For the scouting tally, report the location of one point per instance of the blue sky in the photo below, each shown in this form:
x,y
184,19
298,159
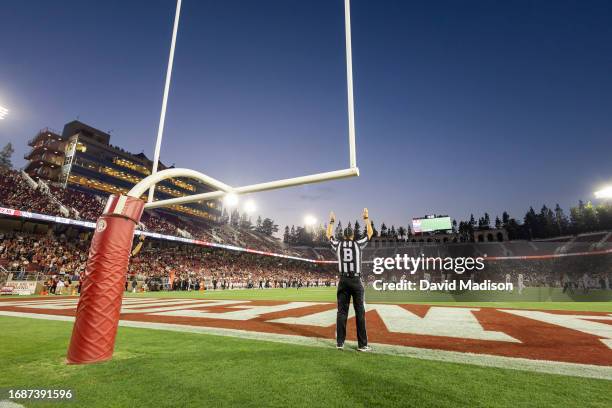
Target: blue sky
x,y
461,107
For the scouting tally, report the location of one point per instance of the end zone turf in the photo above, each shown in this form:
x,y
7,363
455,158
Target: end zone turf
x,y
565,342
164,369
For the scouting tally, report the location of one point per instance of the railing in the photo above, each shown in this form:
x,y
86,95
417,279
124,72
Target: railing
x,y
41,131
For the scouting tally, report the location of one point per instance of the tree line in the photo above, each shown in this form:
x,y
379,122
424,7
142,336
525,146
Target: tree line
x,y
265,226
547,223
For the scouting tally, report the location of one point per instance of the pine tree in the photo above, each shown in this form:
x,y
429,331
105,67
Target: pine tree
x,y
505,218
268,227
5,155
392,232
348,231
357,230
401,231
561,220
286,236
339,233
383,230
235,221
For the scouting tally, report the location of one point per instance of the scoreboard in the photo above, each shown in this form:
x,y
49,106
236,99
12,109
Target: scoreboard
x,y
430,224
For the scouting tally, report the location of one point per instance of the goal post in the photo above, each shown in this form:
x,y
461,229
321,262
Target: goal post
x,y
99,307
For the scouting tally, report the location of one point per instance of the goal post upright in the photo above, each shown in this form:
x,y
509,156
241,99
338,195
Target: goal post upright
x,y
99,307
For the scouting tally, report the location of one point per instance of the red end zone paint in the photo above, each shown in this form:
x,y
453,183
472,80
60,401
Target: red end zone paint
x,y
573,337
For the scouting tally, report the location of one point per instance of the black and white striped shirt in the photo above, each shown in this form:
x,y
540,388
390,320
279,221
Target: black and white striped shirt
x,y
348,253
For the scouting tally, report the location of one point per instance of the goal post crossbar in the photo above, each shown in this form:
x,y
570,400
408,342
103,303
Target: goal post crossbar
x,y
223,189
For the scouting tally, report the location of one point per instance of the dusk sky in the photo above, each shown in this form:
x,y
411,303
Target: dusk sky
x,y
461,106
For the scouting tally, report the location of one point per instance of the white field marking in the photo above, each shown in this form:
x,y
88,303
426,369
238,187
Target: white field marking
x,y
326,318
40,302
75,300
209,303
246,312
457,322
574,322
168,302
42,305
485,360
63,304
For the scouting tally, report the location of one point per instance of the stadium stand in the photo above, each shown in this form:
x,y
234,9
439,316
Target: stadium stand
x,y
161,265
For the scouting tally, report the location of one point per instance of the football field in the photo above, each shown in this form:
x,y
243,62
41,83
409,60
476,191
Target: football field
x,y
275,347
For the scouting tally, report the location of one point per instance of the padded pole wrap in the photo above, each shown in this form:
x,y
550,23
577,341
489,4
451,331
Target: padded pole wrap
x,y
97,316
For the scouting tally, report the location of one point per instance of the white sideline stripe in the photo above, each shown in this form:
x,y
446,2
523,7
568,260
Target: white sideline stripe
x,y
484,360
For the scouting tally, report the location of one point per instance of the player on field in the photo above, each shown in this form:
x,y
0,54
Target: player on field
x,y
521,284
348,253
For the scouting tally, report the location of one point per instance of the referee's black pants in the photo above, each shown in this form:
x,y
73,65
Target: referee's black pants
x,y
347,288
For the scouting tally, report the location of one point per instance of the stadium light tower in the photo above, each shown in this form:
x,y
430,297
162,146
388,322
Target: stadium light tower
x,y
250,207
3,112
230,200
310,220
605,193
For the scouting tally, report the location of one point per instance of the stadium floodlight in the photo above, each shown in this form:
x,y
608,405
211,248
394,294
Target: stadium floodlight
x,y
605,193
249,207
3,112
310,220
230,200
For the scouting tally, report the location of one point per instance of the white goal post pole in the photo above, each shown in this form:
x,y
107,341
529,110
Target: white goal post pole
x,y
162,116
253,188
140,188
349,84
222,189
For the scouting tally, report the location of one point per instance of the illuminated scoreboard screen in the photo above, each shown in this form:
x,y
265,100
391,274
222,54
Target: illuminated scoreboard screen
x,y
431,224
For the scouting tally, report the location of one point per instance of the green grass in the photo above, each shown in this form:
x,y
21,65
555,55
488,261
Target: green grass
x,y
169,369
326,294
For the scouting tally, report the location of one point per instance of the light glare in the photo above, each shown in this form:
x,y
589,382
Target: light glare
x,y
310,220
250,207
604,193
230,200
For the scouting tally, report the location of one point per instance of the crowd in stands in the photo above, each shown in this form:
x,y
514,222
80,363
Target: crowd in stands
x,y
192,268
186,267
82,206
16,193
47,254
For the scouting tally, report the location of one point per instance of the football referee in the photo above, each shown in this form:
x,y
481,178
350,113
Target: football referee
x,y
348,252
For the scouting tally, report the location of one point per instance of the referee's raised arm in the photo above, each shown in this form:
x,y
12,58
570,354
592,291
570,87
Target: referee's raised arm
x,y
330,227
368,223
